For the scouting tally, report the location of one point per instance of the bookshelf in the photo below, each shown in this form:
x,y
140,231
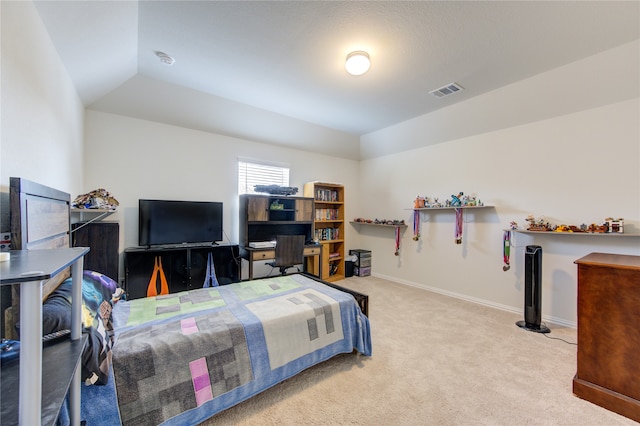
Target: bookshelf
x,y
328,226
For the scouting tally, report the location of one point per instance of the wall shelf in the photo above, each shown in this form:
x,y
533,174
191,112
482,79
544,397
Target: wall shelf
x,y
576,234
88,216
384,225
399,228
422,209
459,211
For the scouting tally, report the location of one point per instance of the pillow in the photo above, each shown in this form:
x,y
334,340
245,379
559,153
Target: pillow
x,y
97,277
96,302
96,321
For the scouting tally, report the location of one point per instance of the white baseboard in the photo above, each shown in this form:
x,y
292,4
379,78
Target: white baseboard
x,y
515,310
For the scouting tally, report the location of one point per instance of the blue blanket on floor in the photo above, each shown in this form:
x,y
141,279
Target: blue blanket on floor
x,y
181,358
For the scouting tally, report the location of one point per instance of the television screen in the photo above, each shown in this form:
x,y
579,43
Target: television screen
x,y
164,222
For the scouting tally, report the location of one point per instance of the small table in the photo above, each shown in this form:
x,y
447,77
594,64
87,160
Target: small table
x,y
312,254
30,268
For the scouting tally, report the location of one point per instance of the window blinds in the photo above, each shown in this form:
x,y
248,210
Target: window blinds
x,y
251,174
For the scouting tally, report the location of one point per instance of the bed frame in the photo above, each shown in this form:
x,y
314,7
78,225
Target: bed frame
x,y
40,218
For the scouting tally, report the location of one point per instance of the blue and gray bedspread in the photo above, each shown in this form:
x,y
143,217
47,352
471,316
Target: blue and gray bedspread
x,y
180,358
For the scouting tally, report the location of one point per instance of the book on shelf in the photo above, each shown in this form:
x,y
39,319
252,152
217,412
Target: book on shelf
x,y
327,214
326,234
326,195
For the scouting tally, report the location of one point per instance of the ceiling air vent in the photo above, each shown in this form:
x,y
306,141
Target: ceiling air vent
x,y
447,90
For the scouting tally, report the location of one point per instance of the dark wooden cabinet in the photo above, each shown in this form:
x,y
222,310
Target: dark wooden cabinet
x,y
262,217
608,357
104,240
185,268
257,208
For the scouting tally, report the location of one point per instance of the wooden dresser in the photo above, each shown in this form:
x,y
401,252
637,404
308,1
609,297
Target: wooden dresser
x,y
608,334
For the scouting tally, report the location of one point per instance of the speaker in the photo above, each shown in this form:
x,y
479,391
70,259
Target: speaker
x,y
533,291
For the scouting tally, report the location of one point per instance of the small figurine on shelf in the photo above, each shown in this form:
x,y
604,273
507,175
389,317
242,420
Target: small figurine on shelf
x,y
597,229
513,225
614,225
455,200
567,228
538,225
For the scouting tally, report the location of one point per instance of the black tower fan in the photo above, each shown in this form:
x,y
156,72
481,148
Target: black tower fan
x,y
533,290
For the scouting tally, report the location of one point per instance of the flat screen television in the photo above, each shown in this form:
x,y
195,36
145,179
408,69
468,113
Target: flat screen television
x,y
166,222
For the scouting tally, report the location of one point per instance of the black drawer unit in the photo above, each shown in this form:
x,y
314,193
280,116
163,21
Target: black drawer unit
x,y
362,265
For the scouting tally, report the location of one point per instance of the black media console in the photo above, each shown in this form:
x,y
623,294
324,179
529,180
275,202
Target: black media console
x,y
184,266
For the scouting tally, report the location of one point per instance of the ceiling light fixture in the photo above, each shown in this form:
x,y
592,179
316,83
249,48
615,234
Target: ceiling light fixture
x,y
164,58
357,63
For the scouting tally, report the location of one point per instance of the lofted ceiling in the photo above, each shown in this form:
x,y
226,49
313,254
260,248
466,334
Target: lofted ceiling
x,y
273,71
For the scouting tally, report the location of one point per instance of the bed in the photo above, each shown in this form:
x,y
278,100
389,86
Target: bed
x,y
181,358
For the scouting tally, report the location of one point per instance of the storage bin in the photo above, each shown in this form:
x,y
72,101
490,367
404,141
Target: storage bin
x,y
360,271
364,261
362,264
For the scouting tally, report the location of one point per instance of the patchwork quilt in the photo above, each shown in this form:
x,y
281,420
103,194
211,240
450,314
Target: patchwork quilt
x,y
180,358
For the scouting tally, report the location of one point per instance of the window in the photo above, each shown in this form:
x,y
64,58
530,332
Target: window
x,y
251,174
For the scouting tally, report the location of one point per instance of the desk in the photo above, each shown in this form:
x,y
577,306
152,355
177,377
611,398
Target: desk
x,y
36,399
312,256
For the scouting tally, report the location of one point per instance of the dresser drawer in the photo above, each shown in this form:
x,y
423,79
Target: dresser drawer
x,y
263,254
311,251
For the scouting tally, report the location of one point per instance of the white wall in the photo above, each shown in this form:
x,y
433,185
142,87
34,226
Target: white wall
x,y
42,116
135,159
581,167
579,161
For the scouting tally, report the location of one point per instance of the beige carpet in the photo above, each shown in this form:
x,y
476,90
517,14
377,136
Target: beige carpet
x,y
436,361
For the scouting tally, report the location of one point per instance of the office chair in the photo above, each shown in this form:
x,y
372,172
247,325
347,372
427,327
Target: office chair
x,y
289,252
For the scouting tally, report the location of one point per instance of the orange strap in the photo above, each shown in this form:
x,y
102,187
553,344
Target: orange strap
x,y
152,289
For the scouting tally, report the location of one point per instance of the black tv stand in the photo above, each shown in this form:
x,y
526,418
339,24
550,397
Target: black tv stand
x,y
184,266
178,246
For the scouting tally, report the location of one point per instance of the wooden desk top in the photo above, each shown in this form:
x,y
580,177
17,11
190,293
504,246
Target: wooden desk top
x,y
622,261
273,248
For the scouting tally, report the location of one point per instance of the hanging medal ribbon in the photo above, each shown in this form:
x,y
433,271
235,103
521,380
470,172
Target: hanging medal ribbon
x,y
210,278
506,250
459,221
397,241
416,225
